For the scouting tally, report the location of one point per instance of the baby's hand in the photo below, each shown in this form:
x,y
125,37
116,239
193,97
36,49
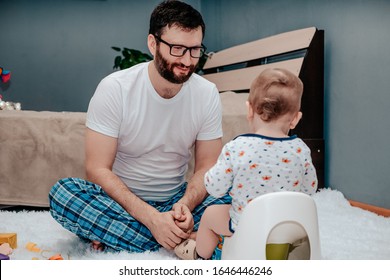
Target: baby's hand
x,y
183,217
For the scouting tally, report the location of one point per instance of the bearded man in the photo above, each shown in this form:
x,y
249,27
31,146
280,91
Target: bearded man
x,y
142,124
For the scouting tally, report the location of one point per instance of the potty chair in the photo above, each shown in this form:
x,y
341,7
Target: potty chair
x,y
275,226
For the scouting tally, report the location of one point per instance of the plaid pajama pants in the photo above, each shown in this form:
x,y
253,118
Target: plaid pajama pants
x,y
86,210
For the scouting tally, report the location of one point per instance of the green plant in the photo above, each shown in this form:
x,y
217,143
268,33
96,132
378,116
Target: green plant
x,y
129,57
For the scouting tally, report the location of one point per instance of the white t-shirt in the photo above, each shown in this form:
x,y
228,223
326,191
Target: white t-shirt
x,y
252,165
155,135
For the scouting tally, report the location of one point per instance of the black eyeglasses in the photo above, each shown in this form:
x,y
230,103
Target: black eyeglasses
x,y
180,50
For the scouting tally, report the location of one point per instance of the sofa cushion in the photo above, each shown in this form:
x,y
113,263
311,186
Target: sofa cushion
x,y
37,149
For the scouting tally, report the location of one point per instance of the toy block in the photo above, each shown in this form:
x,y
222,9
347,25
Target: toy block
x,y
9,238
3,257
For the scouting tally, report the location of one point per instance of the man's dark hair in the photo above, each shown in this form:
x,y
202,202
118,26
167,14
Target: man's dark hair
x,y
175,13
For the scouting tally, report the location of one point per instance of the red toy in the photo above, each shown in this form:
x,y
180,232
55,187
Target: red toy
x,y
5,75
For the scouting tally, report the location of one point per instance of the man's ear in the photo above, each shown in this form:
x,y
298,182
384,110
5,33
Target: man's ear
x,y
152,44
295,120
249,114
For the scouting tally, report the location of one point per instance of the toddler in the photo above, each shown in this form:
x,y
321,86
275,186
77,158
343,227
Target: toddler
x,y
263,161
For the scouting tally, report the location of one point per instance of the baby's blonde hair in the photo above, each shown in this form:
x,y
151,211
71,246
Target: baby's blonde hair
x,y
275,93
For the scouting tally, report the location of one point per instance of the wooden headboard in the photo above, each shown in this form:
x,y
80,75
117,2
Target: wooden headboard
x,y
300,51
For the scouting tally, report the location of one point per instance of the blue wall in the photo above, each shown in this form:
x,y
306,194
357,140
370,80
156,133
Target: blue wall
x,y
59,50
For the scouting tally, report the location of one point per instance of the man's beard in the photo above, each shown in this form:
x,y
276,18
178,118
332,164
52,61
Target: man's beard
x,y
166,70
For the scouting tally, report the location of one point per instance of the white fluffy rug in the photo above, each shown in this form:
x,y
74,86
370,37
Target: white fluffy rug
x,y
346,233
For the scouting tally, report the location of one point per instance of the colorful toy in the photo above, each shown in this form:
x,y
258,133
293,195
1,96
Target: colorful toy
x,y
10,238
5,251
5,75
56,257
3,257
32,247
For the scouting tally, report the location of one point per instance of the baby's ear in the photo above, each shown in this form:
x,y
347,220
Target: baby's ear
x,y
297,117
250,113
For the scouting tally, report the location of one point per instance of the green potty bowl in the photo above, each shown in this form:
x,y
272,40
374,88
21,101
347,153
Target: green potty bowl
x,y
277,251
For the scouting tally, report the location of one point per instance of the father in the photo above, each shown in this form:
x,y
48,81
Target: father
x,y
142,123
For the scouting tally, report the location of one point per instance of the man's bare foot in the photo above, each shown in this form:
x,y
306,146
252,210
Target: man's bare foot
x,y
97,245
